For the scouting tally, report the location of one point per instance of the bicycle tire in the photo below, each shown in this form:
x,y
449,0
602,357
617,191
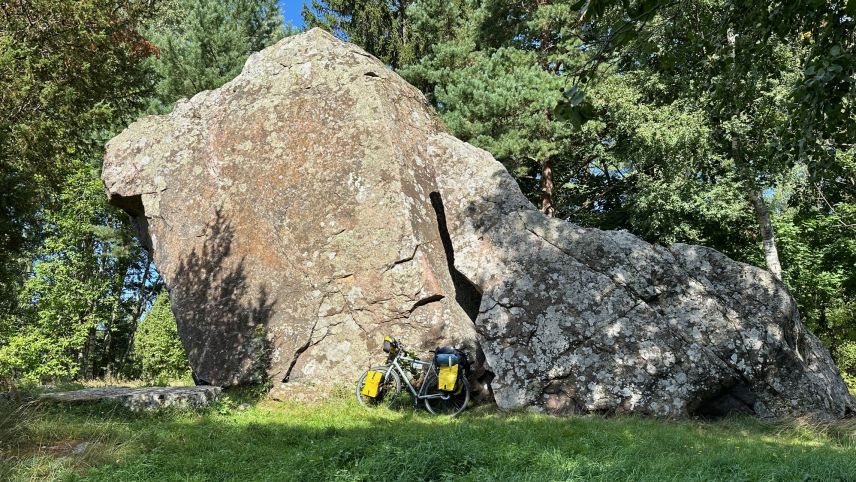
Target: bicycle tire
x,y
389,391
451,406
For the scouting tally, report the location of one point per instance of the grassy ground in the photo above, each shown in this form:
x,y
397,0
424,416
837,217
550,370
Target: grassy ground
x,y
339,440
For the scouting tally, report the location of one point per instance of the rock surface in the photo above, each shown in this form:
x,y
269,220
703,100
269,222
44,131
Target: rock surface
x,y
583,320
315,204
287,213
137,399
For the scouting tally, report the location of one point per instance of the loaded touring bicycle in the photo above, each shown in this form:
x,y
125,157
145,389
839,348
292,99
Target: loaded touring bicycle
x,y
441,383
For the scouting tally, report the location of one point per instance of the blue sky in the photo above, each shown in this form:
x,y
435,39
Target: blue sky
x,y
291,11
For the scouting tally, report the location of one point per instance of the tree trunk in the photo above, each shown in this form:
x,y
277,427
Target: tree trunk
x,y
86,356
547,188
762,213
90,354
401,15
547,206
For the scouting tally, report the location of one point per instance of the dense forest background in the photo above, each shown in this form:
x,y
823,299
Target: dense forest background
x,y
726,123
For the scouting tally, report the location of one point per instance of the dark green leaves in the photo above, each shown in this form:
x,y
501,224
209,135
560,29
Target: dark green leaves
x,y
574,108
207,42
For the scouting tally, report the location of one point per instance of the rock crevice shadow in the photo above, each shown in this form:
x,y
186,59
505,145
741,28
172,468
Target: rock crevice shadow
x,y
467,294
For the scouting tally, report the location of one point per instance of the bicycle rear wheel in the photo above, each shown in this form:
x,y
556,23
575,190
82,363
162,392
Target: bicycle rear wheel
x,y
451,403
389,389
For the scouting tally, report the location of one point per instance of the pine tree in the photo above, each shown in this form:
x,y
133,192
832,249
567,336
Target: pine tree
x,y
157,348
382,27
497,81
204,43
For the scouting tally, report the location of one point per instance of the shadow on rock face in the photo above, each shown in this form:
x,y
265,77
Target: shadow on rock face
x,y
224,321
583,320
469,298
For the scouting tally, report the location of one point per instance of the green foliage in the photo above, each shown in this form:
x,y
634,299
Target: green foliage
x,y
497,74
823,121
204,43
631,155
67,69
69,73
846,354
157,348
499,101
382,27
819,255
338,440
77,283
655,171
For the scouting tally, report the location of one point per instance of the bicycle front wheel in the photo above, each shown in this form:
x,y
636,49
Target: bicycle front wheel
x,y
389,389
449,403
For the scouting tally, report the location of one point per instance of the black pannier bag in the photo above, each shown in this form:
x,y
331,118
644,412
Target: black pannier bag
x,y
463,359
448,360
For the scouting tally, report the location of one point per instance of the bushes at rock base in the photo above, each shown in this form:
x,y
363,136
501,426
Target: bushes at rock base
x,y
157,348
845,355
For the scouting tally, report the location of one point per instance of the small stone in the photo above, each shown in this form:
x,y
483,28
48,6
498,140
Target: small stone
x,y
80,448
144,398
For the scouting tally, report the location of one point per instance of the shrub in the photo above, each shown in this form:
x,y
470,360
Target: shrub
x,y
157,348
846,355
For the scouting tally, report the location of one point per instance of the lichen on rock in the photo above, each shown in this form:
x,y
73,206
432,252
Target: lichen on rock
x,y
315,203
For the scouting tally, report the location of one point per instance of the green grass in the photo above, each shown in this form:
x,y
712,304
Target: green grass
x,y
339,440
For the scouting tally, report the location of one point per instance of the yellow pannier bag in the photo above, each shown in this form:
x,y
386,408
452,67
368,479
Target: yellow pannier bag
x,y
371,385
447,378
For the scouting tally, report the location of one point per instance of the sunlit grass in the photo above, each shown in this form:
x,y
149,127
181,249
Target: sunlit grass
x,y
339,440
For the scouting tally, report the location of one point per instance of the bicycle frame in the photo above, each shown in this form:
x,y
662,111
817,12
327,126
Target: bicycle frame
x,y
421,395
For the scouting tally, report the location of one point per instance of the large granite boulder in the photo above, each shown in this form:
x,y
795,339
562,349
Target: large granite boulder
x,y
315,204
584,320
287,212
